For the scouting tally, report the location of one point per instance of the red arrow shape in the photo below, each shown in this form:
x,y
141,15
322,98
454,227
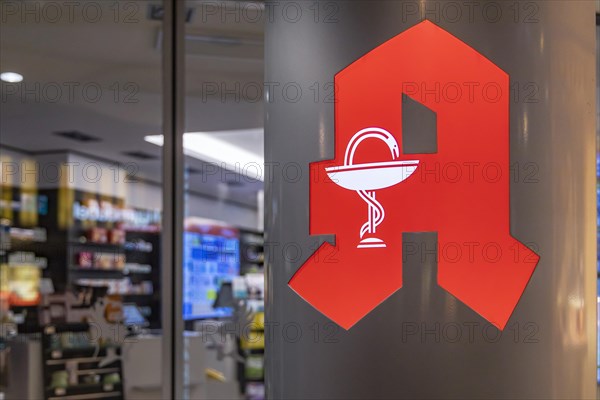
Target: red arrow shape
x,y
462,191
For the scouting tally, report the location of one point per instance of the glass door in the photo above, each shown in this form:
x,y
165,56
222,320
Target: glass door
x,y
223,245
81,203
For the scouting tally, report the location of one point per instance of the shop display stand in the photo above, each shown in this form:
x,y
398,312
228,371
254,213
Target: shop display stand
x,y
77,271
137,265
252,375
143,248
252,253
141,265
251,370
79,368
58,229
23,244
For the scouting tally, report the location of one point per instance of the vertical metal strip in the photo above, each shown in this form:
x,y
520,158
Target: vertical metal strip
x,y
173,194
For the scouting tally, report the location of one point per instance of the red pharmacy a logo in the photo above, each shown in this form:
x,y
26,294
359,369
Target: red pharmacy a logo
x,y
371,192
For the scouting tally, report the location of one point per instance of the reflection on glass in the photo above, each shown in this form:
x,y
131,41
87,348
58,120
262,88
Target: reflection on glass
x,y
80,200
223,240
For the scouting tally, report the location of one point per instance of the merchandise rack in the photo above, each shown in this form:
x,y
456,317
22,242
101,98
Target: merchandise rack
x,y
148,303
252,261
82,361
252,257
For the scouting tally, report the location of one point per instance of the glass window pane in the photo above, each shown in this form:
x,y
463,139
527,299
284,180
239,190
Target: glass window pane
x,y
223,281
81,199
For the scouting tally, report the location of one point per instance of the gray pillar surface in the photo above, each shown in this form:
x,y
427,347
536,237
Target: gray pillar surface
x,y
548,348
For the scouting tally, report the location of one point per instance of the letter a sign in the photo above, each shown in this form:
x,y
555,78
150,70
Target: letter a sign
x,y
373,191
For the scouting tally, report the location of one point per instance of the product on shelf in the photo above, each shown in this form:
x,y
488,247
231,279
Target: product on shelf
x,y
75,367
119,260
97,235
255,391
258,321
92,379
119,286
114,308
60,380
34,234
20,284
70,340
139,245
85,259
4,236
254,368
112,378
108,260
137,268
146,287
116,236
26,258
253,340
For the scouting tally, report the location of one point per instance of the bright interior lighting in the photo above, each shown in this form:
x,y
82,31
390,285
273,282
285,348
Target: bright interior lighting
x,y
207,146
11,77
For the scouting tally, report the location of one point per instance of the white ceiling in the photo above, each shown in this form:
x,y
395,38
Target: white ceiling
x,y
124,60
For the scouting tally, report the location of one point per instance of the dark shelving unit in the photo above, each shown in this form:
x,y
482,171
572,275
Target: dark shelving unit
x,y
252,258
252,252
149,303
83,377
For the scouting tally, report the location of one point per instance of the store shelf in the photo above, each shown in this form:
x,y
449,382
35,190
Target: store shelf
x,y
104,396
36,264
86,391
254,351
81,354
137,268
66,327
76,366
98,371
134,250
20,258
89,273
138,272
148,256
86,269
30,235
122,271
61,361
258,380
104,246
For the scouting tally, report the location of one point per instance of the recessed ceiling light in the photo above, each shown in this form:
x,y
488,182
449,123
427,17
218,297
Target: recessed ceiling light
x,y
11,77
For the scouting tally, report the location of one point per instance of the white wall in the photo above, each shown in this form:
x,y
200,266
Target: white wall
x,y
232,214
82,173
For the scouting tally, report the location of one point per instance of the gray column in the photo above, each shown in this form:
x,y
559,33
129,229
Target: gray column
x,y
422,342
